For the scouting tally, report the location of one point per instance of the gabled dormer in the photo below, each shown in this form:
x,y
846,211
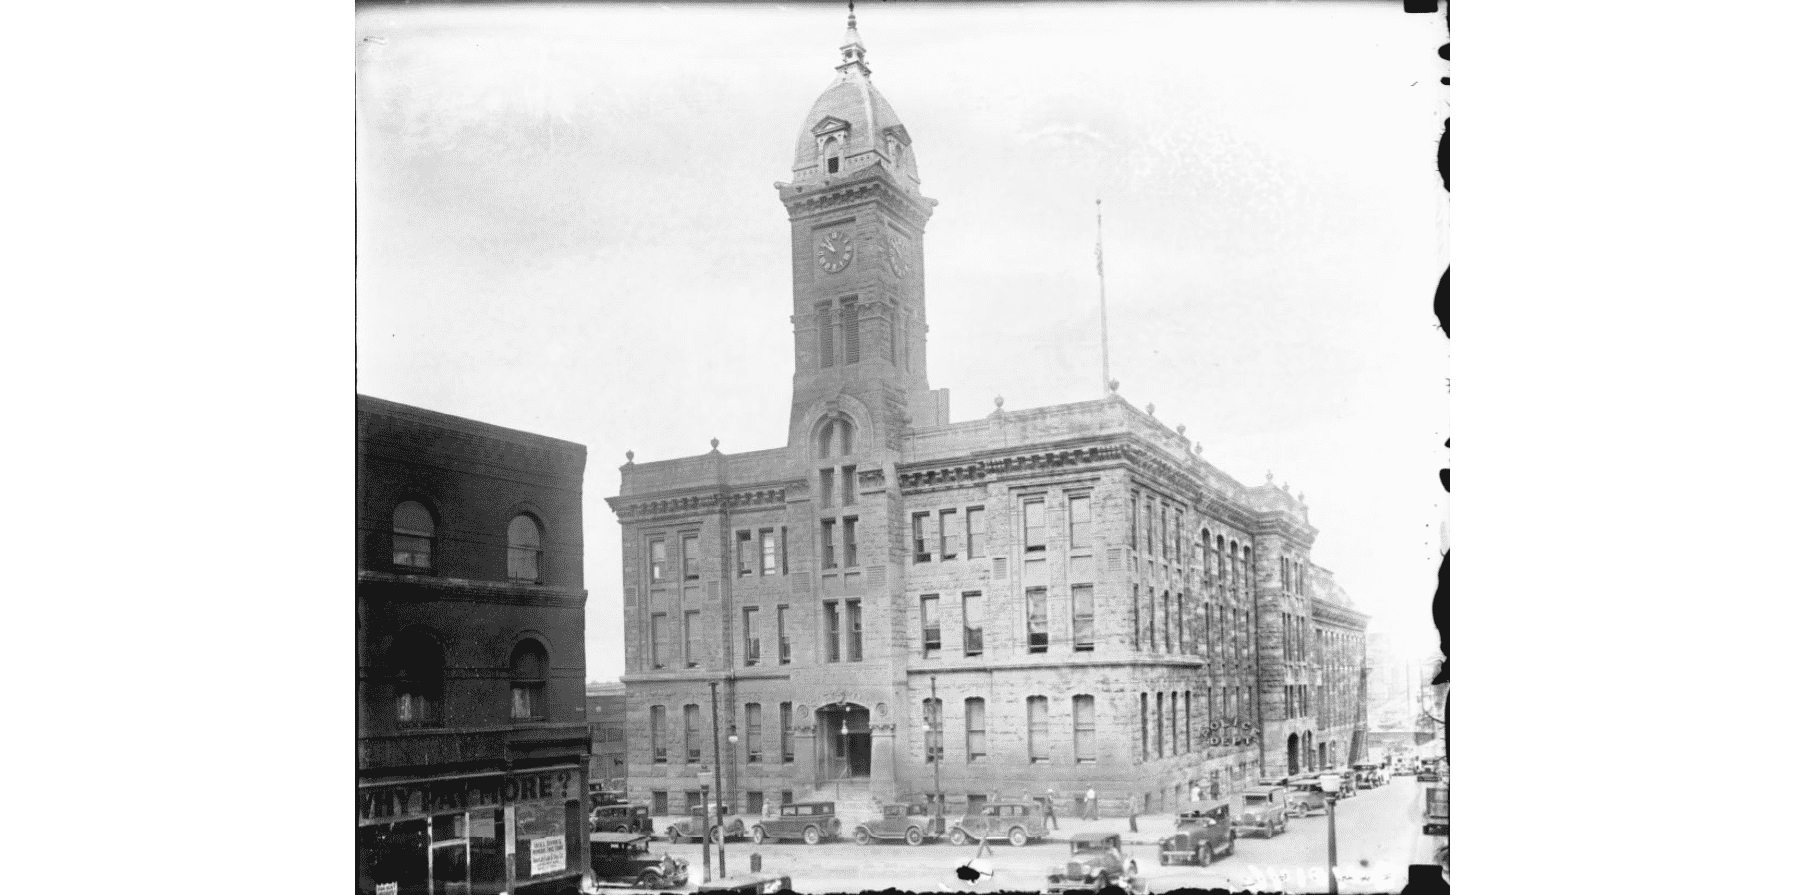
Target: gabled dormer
x,y
831,137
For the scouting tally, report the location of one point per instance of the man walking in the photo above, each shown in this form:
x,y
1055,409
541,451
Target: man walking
x,y
1052,817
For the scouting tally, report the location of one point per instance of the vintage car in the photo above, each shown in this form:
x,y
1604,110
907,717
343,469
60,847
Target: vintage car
x,y
1304,797
1274,781
1096,863
808,821
600,794
1370,774
747,884
1205,832
690,828
620,818
1017,821
912,823
626,858
1261,809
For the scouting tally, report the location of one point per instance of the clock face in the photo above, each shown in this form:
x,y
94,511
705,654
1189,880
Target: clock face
x,y
895,250
834,251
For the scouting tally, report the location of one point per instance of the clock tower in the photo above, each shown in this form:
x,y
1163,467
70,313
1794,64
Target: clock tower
x,y
856,217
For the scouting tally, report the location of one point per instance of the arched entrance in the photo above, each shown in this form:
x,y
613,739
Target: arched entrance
x,y
844,750
1291,752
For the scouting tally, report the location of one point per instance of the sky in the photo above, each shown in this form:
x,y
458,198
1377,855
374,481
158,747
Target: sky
x,y
566,223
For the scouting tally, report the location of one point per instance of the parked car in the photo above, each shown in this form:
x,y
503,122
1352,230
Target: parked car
x,y
1017,821
1205,832
620,819
747,884
1096,863
1405,766
691,827
808,821
912,823
1304,797
626,858
1348,788
1261,809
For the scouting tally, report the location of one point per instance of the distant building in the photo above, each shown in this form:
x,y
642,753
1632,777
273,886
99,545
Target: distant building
x,y
607,736
1054,598
472,749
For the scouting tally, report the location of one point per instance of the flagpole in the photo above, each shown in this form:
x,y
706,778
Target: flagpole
x,y
1102,297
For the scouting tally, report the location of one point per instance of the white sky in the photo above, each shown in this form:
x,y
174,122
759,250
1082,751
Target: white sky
x,y
566,224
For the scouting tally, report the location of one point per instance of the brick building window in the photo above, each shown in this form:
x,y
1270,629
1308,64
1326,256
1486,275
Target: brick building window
x,y
1083,728
826,487
1159,725
975,744
659,631
930,625
1033,525
742,552
1038,745
830,629
412,535
848,485
659,567
1136,641
767,552
692,733
523,548
782,635
785,735
659,753
973,606
754,733
851,540
528,672
823,321
848,320
692,558
854,631
692,799
923,547
749,624
1181,613
1146,750
1083,617
934,739
974,532
417,663
950,536
754,803
692,639
1036,620
827,526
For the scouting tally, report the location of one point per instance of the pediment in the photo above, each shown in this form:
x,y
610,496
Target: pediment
x,y
900,133
828,125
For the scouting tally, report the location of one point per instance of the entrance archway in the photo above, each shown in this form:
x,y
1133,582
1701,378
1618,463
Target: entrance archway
x,y
1291,752
845,741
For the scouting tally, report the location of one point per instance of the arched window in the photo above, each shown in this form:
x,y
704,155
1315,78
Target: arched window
x,y
523,548
527,668
413,530
830,151
834,438
417,664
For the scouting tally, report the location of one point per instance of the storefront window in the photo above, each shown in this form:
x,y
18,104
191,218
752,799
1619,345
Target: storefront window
x,y
539,841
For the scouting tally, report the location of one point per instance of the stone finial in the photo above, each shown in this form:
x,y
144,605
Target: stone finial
x,y
629,458
1114,386
998,402
1286,487
1299,497
1149,408
1268,477
1180,428
714,443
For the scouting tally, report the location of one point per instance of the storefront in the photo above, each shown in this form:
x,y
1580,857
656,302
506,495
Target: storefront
x,y
523,833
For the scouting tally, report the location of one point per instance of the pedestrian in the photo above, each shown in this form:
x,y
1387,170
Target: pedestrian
x,y
1133,814
1196,792
1090,803
1215,786
1052,817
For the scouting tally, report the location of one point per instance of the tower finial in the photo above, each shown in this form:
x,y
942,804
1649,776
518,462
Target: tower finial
x,y
851,51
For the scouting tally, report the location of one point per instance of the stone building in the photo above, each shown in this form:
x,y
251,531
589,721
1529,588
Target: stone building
x,y
608,722
1055,598
472,751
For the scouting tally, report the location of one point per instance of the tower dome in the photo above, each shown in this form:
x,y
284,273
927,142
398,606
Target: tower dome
x,y
851,125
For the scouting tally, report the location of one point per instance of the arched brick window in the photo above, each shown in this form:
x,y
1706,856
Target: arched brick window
x,y
417,664
523,548
528,671
413,535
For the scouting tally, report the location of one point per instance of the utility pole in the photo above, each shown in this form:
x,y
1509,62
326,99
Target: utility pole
x,y
719,793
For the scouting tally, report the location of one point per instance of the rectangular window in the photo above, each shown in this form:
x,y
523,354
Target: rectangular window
x,y
692,733
975,743
785,719
1165,601
826,487
659,622
1187,723
973,605
754,733
827,545
692,639
1036,620
848,320
1177,535
1080,522
743,543
1083,617
782,635
1146,531
754,803
659,755
692,557
1033,525
1159,724
848,485
1145,739
974,531
930,625
660,803
753,652
854,631
922,547
1181,623
657,560
830,624
692,799
1083,728
1133,519
1136,616
767,552
851,541
783,549
823,321
1039,748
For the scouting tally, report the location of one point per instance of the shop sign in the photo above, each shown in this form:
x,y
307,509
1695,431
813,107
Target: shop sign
x,y
404,801
388,889
547,855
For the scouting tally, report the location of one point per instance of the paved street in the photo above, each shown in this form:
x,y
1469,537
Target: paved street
x,y
1378,833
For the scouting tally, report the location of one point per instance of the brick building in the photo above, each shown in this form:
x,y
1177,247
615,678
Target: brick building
x,y
1055,598
472,751
608,722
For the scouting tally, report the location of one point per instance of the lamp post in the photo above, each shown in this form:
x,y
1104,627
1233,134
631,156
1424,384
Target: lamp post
x,y
845,758
1331,789
717,816
702,777
935,749
732,749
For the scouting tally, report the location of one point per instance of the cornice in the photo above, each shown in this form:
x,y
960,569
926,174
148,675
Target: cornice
x,y
920,478
651,508
870,183
429,588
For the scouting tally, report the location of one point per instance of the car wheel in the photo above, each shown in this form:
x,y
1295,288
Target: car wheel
x,y
716,834
861,836
1017,837
1205,856
1229,848
758,834
1271,831
957,836
650,880
812,836
913,836
1164,859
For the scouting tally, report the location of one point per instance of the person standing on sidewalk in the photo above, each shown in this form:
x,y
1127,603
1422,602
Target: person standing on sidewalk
x,y
1133,814
1052,817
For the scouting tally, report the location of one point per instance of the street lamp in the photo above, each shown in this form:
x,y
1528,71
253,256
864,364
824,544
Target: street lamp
x,y
1331,789
845,758
717,817
702,776
934,751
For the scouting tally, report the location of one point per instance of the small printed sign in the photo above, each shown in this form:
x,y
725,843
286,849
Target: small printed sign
x,y
388,889
547,855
